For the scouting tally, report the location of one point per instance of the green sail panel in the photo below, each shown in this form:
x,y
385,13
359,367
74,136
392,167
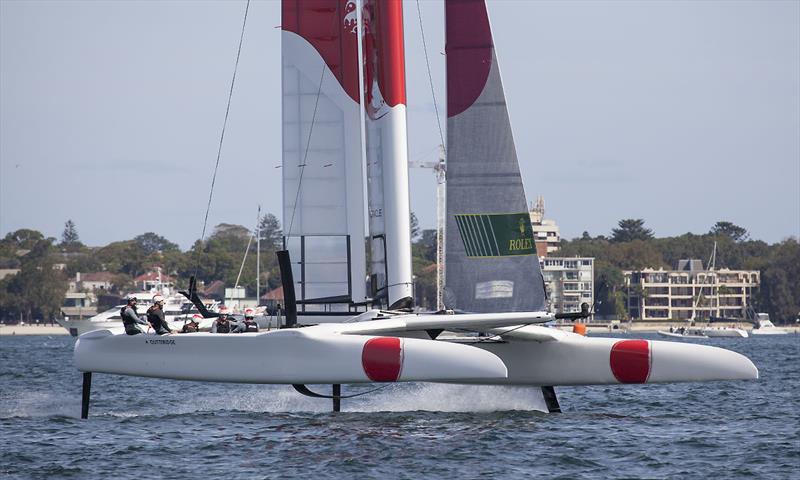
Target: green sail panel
x,y
496,234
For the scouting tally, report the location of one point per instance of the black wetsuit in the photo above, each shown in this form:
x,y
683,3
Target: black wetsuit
x,y
249,325
155,316
222,327
131,320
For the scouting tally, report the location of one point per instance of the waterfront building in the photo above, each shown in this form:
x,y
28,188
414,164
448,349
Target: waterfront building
x,y
79,305
569,282
153,280
91,281
690,292
545,232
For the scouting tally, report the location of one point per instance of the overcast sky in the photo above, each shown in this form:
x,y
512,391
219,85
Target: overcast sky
x,y
681,113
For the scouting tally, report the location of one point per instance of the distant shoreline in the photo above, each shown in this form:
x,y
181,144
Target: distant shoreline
x,y
9,330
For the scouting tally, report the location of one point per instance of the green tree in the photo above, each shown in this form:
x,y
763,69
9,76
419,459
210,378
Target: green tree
x,y
270,232
728,229
415,231
23,238
123,257
779,293
70,241
151,243
37,291
631,229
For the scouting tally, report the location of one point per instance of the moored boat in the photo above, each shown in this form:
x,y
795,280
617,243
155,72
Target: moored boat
x,y
764,326
730,332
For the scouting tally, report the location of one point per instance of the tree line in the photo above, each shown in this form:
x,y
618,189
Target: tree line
x,y
37,291
46,265
632,246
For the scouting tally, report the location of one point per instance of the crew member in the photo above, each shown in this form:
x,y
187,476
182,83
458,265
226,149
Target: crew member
x,y
155,316
192,325
249,323
223,323
131,319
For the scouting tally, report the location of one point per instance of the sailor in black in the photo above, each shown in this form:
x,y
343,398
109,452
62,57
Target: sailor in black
x,y
249,323
155,316
223,323
131,319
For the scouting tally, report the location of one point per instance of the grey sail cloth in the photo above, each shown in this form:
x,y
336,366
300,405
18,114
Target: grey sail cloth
x,y
483,177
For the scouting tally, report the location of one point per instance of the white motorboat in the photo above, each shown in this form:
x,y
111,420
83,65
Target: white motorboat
x,y
764,326
731,332
683,332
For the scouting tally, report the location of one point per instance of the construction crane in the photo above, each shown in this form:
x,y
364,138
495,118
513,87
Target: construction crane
x,y
439,168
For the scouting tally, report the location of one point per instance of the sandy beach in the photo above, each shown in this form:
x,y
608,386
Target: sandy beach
x,y
32,330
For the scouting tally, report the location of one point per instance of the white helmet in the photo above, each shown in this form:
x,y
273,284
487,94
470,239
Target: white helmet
x,y
248,313
158,298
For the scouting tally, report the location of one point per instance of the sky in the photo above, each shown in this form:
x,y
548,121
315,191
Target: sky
x,y
680,113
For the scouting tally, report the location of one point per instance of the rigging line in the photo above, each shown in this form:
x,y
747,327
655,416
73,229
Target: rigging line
x,y
430,79
244,258
247,249
490,338
222,134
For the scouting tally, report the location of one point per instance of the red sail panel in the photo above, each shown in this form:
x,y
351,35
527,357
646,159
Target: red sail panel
x,y
469,49
384,64
330,26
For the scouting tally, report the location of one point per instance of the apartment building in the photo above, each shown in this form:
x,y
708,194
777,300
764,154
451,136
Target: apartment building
x,y
569,282
690,292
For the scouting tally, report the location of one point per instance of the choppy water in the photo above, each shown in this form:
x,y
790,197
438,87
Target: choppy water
x,y
145,428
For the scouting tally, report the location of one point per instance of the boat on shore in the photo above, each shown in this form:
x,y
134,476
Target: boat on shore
x,y
764,326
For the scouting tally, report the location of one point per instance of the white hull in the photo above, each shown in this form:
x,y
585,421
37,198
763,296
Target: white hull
x,y
765,327
725,332
680,335
334,354
287,356
768,331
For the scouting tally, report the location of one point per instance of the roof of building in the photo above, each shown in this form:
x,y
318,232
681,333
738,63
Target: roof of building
x,y
215,288
692,265
274,294
5,272
97,277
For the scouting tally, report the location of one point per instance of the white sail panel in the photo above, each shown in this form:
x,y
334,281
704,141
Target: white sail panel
x,y
323,201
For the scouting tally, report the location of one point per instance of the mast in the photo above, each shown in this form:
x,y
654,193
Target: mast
x,y
384,92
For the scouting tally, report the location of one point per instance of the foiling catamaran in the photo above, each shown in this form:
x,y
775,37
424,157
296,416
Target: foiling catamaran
x,y
345,179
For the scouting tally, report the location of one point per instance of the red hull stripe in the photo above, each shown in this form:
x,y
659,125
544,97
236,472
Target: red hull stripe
x,y
630,361
382,359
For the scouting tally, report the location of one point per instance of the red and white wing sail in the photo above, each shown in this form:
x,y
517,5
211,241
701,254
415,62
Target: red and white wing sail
x,y
323,199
